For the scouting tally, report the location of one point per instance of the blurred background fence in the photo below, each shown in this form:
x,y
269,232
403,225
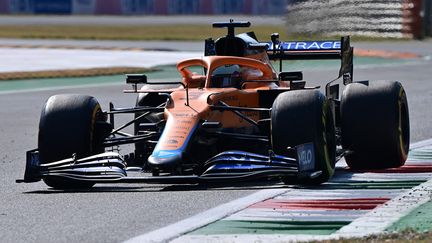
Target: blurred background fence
x,y
139,7
372,18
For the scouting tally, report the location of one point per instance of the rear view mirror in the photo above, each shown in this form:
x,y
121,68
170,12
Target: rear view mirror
x,y
136,79
209,47
290,76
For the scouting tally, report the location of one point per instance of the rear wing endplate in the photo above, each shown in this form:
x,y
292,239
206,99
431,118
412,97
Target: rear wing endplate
x,y
313,50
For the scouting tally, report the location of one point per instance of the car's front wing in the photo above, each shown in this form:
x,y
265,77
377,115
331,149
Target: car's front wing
x,y
229,166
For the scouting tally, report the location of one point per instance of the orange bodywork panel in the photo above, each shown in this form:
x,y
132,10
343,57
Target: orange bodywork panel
x,y
184,117
213,62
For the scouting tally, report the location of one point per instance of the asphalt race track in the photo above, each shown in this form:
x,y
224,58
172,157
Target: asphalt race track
x,y
107,213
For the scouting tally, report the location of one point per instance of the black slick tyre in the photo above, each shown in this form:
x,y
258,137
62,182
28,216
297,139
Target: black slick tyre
x,y
67,127
304,116
375,124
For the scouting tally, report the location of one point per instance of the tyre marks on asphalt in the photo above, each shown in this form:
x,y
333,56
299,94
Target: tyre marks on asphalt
x,y
353,203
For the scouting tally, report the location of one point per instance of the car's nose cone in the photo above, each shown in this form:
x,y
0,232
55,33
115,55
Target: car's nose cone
x,y
165,159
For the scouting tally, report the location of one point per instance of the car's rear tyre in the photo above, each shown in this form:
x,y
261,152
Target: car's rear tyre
x,y
67,127
304,116
375,124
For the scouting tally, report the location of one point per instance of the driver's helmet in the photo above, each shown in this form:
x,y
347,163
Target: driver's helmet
x,y
226,76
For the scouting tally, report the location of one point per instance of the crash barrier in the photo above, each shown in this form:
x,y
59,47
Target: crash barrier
x,y
372,18
147,7
427,23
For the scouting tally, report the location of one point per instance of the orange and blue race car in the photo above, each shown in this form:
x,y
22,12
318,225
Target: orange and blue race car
x,y
231,118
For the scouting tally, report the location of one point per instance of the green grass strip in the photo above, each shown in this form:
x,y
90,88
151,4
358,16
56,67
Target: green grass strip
x,y
69,73
421,154
130,32
30,84
270,227
190,32
164,72
420,220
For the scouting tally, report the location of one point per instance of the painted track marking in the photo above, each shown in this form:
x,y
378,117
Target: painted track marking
x,y
382,216
377,220
177,229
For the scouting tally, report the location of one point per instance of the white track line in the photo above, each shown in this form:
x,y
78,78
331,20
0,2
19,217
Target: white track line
x,y
373,222
421,144
177,229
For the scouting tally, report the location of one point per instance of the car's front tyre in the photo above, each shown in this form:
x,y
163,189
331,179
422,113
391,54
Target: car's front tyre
x,y
304,116
67,127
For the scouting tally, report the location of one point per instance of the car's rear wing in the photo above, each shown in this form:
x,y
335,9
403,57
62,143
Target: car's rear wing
x,y
312,50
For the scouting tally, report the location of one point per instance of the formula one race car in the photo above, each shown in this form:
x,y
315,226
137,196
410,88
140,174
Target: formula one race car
x,y
230,118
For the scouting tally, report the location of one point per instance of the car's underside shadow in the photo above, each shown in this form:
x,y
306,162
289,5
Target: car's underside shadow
x,y
108,188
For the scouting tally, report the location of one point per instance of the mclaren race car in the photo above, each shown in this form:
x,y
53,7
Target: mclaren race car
x,y
232,117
